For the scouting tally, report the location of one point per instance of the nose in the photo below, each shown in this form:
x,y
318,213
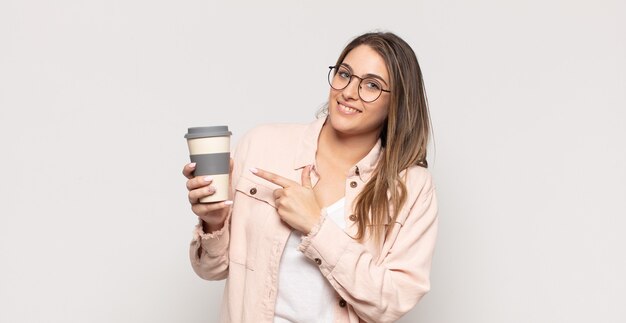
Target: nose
x,y
352,90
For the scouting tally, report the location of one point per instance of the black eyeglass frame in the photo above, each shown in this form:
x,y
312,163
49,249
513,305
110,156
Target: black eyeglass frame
x,y
360,81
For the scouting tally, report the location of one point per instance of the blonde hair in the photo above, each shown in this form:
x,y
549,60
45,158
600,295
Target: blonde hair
x,y
404,135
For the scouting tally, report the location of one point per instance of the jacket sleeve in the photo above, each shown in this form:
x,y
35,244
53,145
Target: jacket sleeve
x,y
208,252
380,289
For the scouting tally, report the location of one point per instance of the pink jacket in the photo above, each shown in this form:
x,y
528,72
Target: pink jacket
x,y
372,283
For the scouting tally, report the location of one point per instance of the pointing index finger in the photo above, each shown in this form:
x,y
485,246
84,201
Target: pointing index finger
x,y
306,177
271,177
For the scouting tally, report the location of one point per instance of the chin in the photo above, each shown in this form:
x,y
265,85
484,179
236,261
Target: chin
x,y
341,124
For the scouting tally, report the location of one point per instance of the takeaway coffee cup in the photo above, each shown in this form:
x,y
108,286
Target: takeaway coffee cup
x,y
209,148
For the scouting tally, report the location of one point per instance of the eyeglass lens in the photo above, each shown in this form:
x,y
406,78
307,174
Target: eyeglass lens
x,y
369,88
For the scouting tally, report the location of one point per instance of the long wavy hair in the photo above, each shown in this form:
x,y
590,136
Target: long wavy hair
x,y
404,136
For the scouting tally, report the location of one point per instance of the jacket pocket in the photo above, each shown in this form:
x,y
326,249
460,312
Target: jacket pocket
x,y
253,205
255,190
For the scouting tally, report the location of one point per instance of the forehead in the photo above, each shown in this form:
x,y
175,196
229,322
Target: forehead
x,y
364,60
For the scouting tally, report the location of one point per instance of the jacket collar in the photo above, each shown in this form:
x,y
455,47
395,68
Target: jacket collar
x,y
305,153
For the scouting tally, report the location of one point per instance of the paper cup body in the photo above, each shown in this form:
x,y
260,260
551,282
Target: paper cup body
x,y
209,148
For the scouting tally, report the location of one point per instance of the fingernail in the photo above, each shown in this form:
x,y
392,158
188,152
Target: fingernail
x,y
254,170
192,165
228,202
211,189
208,179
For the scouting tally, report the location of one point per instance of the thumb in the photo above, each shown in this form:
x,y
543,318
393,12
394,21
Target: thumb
x,y
306,177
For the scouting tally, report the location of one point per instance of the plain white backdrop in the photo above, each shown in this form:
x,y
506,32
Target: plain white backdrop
x,y
528,103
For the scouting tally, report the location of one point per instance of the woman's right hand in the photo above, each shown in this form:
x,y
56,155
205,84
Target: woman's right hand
x,y
214,214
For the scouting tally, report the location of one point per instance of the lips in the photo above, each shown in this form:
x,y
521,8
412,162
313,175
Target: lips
x,y
346,109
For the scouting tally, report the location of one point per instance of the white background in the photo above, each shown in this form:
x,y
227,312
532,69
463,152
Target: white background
x,y
528,103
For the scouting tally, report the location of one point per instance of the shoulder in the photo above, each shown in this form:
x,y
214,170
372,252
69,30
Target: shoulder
x,y
421,196
418,181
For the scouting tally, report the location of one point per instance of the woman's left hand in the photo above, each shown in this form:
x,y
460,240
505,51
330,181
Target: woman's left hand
x,y
296,203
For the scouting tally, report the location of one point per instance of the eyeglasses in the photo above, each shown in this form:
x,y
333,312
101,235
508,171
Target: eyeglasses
x,y
370,88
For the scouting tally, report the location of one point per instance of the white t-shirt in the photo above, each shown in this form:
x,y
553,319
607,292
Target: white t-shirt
x,y
304,295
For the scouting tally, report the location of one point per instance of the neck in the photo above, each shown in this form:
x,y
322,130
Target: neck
x,y
344,149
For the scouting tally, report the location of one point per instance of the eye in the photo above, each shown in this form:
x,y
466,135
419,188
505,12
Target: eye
x,y
371,84
343,74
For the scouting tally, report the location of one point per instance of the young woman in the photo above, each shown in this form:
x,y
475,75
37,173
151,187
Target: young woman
x,y
334,221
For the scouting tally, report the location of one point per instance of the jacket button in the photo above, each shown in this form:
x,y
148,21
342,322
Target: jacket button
x,y
253,190
318,261
353,184
352,217
342,302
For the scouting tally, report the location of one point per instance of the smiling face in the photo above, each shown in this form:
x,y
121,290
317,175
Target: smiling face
x,y
348,114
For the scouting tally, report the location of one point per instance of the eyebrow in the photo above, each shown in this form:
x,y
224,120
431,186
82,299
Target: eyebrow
x,y
366,75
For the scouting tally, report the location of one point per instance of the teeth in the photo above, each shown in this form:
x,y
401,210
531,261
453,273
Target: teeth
x,y
348,109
